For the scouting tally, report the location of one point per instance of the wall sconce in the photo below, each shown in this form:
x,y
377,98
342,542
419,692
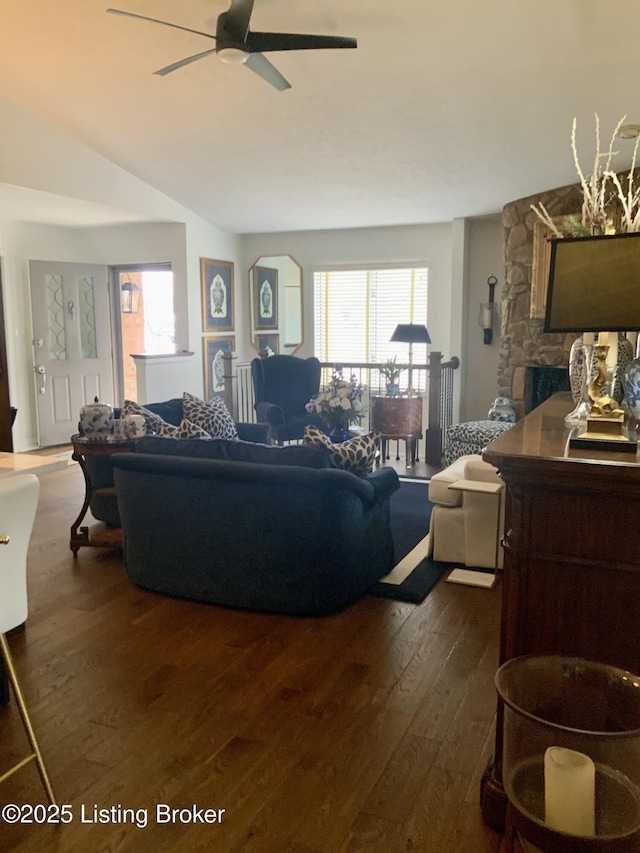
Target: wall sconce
x,y
129,297
485,317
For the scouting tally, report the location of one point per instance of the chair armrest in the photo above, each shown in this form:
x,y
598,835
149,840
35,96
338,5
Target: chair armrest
x,y
257,433
385,481
477,486
269,413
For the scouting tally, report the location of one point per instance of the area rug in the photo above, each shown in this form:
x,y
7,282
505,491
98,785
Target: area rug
x,y
415,574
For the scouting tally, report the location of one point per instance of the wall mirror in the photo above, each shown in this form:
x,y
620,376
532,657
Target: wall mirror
x,y
275,288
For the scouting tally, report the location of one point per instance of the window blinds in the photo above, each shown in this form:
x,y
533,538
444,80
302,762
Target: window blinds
x,y
357,310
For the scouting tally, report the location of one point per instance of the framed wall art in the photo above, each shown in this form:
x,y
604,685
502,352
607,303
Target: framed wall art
x,y
216,283
213,351
264,342
541,263
265,298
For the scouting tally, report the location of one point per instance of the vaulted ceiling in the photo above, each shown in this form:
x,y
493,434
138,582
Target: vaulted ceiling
x,y
444,110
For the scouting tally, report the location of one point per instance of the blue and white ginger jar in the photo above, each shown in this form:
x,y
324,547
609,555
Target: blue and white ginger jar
x,y
502,411
631,382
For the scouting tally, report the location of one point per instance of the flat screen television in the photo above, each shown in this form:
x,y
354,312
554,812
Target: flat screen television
x,y
594,284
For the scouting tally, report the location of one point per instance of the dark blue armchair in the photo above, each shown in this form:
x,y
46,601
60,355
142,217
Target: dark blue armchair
x,y
282,386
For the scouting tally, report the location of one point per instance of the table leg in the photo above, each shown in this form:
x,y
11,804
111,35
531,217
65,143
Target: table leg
x,y
77,539
4,684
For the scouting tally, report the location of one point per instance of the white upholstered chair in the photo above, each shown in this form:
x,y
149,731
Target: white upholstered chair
x,y
466,524
18,503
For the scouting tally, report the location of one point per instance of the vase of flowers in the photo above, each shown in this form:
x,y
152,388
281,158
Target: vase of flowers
x,y
391,372
339,405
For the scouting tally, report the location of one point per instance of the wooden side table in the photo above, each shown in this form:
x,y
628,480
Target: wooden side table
x,y
398,418
99,535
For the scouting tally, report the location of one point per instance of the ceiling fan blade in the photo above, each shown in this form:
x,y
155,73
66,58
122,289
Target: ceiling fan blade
x,y
236,20
263,68
182,62
156,21
261,42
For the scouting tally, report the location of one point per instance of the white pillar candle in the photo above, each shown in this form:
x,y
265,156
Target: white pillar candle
x,y
603,339
589,338
569,791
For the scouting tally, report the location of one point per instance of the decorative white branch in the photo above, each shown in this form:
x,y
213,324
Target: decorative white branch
x,y
543,214
595,195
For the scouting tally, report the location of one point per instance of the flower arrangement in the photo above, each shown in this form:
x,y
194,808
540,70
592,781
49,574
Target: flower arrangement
x,y
391,371
341,403
607,207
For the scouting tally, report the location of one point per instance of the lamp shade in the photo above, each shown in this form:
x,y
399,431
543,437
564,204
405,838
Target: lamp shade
x,y
411,333
594,284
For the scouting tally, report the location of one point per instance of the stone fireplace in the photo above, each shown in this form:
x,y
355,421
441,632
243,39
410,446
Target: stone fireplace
x,y
524,344
540,382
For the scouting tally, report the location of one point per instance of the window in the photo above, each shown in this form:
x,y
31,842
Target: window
x,y
357,310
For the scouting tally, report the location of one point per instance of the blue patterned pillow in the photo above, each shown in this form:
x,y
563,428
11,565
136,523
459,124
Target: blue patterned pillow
x,y
356,454
213,416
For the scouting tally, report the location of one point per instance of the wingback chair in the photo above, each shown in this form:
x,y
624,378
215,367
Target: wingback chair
x,y
282,386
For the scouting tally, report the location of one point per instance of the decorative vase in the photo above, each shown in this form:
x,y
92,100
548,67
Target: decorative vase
x,y
631,384
502,410
583,367
134,426
338,435
96,420
576,369
393,389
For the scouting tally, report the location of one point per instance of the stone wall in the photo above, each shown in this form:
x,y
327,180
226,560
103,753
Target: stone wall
x,y
523,341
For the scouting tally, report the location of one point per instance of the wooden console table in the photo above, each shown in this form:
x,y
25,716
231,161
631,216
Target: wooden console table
x,y
99,535
571,582
398,418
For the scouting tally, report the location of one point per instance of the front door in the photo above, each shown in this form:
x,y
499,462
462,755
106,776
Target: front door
x,y
72,344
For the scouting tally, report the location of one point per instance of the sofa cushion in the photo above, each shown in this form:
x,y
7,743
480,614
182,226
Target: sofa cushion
x,y
185,430
356,454
151,421
169,410
236,451
212,416
477,469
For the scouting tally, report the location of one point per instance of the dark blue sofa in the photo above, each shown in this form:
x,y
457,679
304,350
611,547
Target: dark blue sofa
x,y
256,527
104,506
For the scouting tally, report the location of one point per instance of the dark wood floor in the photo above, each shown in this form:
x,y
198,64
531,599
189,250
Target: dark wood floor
x,y
364,731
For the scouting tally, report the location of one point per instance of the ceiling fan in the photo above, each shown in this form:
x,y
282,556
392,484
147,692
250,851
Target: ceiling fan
x,y
237,44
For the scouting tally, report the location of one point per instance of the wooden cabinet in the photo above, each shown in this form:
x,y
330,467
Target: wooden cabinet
x,y
571,582
398,418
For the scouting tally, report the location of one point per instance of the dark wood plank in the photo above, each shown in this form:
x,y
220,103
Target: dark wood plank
x,y
363,731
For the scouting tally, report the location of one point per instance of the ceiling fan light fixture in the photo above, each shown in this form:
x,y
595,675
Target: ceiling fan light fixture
x,y
629,131
232,55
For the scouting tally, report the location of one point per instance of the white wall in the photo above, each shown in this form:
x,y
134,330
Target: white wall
x,y
422,244
37,155
485,257
179,244
460,256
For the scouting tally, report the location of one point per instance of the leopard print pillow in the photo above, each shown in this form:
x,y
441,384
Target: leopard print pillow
x,y
356,454
185,430
151,420
213,416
